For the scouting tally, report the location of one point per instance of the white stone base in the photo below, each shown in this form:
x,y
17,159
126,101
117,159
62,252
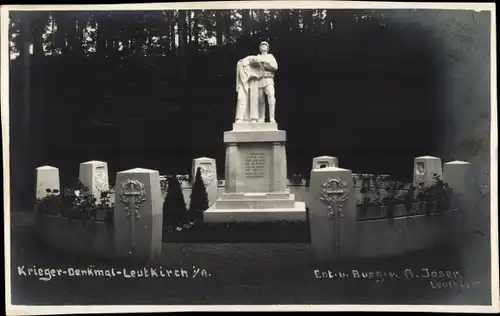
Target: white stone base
x,y
247,126
256,200
215,215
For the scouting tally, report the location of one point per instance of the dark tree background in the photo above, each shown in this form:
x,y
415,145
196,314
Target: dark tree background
x,y
174,206
156,89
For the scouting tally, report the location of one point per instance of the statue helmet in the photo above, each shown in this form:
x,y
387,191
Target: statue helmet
x,y
264,43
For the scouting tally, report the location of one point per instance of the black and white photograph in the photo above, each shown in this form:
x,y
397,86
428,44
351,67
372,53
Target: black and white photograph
x,y
250,156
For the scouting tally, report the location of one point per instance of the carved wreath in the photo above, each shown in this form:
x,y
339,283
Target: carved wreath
x,y
133,192
334,191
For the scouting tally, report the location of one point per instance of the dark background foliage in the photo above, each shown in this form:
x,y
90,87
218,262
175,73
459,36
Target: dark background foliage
x,y
156,89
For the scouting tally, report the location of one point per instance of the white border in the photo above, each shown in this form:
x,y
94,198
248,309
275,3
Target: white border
x,y
43,310
322,4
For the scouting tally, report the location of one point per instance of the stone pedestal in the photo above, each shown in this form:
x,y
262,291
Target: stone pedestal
x,y
336,237
47,177
208,174
140,233
255,177
455,174
94,175
324,162
424,168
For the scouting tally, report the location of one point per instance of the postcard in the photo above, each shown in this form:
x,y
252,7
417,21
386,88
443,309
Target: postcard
x,y
250,156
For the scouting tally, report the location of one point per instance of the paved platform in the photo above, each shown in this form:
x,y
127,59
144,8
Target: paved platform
x,y
217,215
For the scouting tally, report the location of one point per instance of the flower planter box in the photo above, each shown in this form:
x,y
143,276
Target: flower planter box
x,y
392,237
425,207
380,212
88,238
102,215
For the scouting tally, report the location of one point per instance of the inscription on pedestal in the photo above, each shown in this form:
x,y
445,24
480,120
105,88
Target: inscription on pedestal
x,y
255,164
100,179
206,173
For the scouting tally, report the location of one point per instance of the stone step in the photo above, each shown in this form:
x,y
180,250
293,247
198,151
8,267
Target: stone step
x,y
248,126
295,213
258,196
255,203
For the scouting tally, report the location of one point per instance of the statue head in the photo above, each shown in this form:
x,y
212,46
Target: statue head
x,y
264,47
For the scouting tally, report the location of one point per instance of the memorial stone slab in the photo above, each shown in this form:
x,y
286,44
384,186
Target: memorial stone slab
x,y
455,174
332,213
255,177
138,215
424,169
94,175
324,162
47,177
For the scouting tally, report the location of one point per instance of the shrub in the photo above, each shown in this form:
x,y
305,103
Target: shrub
x,y
84,205
77,202
408,198
438,193
199,199
50,204
391,197
174,206
365,202
376,199
106,207
444,194
163,185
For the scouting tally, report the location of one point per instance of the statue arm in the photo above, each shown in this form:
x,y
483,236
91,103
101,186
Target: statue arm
x,y
271,64
243,74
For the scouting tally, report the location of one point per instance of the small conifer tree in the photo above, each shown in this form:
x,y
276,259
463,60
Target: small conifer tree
x,y
174,206
199,199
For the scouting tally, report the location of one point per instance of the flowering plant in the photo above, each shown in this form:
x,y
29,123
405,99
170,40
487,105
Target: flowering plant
x,y
77,202
408,197
439,193
365,201
163,184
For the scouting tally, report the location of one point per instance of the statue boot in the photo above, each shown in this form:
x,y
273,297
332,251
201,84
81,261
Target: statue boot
x,y
272,107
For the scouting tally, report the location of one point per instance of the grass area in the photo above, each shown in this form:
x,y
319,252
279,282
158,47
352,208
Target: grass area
x,y
256,232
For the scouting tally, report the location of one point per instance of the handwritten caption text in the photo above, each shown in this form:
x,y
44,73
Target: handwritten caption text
x,y
437,279
47,274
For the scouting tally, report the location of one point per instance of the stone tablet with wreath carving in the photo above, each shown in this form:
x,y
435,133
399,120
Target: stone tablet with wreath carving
x,y
332,237
47,177
141,189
